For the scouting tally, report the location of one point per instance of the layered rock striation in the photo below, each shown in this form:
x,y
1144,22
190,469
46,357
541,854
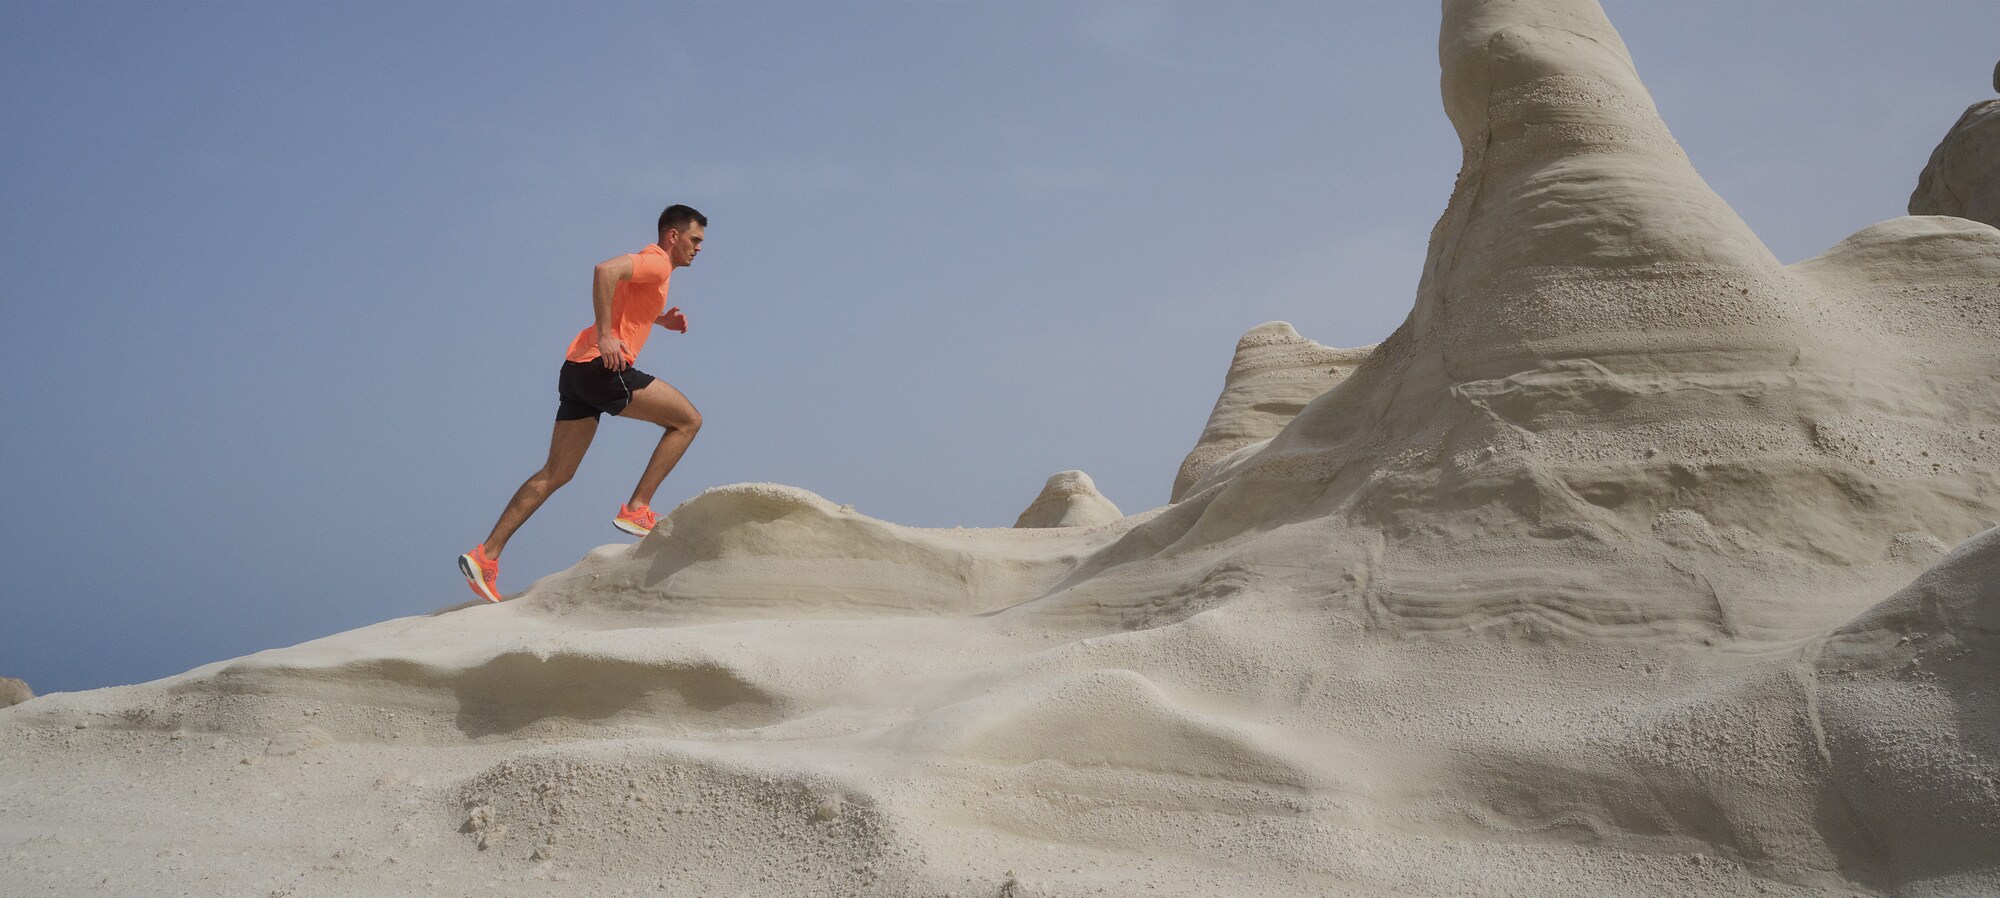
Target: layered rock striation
x,y
1274,373
1069,499
1603,359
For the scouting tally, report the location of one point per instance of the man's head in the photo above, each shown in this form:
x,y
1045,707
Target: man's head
x,y
681,232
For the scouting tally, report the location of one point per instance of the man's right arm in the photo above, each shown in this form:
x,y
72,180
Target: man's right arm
x,y
604,285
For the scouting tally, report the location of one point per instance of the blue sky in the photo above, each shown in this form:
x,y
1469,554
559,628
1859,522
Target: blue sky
x,y
284,287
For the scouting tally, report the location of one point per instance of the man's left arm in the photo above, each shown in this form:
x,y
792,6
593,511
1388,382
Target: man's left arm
x,y
673,320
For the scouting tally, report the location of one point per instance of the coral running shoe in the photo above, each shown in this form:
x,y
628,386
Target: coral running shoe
x,y
636,521
481,573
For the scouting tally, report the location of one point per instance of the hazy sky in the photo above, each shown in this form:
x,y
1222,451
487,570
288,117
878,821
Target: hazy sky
x,y
284,287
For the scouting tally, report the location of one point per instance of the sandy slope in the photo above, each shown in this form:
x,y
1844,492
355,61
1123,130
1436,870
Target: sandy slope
x,y
1620,569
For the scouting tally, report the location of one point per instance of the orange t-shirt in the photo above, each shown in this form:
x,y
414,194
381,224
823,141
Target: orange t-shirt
x,y
634,305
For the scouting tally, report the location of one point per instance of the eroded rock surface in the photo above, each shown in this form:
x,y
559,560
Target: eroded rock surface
x,y
1963,175
1069,499
1274,373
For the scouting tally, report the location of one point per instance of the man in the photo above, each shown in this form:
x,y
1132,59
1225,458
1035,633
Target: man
x,y
597,377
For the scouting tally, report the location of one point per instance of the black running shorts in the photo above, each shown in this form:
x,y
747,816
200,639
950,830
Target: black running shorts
x,y
589,389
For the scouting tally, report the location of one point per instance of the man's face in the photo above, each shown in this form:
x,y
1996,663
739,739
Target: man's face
x,y
682,246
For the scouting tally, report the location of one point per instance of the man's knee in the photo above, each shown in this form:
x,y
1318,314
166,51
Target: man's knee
x,y
554,476
684,418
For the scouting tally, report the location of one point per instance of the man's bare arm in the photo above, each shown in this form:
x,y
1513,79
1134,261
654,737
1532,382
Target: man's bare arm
x,y
603,285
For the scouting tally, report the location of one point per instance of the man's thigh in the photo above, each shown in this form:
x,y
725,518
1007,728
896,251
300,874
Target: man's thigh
x,y
568,443
659,403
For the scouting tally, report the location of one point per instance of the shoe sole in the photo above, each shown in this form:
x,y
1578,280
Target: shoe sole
x,y
470,569
629,527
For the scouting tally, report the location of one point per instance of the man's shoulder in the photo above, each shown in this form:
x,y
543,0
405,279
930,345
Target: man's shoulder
x,y
652,264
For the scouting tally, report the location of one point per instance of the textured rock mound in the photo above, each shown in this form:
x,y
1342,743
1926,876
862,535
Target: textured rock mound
x,y
14,691
1605,362
604,806
1963,175
1274,374
1069,499
813,558
1911,726
1104,719
570,653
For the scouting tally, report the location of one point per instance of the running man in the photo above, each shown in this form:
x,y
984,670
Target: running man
x,y
597,377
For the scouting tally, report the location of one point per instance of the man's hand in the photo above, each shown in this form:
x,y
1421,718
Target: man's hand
x,y
673,320
611,352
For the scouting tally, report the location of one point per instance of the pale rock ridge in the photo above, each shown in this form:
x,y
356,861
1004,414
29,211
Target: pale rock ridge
x,y
1273,374
1962,177
813,558
1068,499
558,652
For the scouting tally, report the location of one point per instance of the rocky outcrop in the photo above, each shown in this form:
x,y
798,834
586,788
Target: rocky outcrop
x,y
1069,499
14,692
1911,724
1274,374
1963,176
1598,340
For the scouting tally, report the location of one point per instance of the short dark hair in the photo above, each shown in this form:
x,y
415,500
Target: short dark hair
x,y
677,217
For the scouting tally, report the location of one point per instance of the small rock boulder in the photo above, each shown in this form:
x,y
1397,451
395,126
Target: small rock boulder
x,y
14,692
1963,177
1069,499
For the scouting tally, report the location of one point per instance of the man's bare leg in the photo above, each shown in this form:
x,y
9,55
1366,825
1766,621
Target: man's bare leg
x,y
661,404
566,447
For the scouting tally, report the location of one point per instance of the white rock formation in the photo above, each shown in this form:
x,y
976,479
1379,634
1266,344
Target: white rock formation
x,y
1599,341
14,691
1963,175
1595,578
1910,722
1274,374
1069,499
